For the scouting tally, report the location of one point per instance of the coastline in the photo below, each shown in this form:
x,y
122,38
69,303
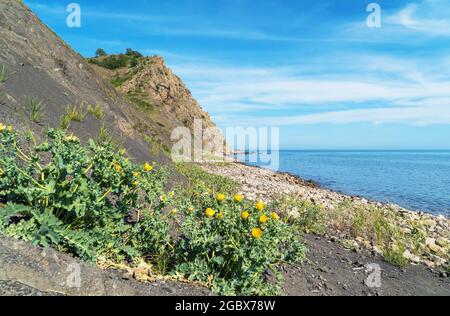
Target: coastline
x,y
263,184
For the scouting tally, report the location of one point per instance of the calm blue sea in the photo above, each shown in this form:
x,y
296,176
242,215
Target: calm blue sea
x,y
418,180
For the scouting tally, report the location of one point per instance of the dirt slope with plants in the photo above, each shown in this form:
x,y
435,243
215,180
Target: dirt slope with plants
x,y
43,82
94,203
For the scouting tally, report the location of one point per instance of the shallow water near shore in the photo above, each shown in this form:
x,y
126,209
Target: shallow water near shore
x,y
417,180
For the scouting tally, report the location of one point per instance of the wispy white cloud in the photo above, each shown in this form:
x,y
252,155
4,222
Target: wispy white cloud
x,y
430,17
98,13
421,116
407,91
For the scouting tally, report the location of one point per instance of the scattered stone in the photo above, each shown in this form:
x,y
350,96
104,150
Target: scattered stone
x,y
436,249
442,242
408,255
377,250
324,269
265,184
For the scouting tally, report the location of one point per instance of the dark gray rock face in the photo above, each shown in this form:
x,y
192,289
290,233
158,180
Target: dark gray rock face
x,y
32,271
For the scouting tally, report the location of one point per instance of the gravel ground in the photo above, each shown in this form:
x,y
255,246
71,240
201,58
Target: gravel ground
x,y
331,269
334,271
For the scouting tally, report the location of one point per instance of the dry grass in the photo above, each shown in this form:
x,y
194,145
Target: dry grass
x,y
96,111
73,113
378,227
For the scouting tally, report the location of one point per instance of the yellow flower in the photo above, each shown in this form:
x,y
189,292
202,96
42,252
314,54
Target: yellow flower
x,y
220,197
210,212
172,194
136,174
257,233
10,128
2,127
238,198
148,167
245,215
117,167
191,210
263,219
219,215
72,138
1,172
163,198
275,216
260,206
136,183
174,211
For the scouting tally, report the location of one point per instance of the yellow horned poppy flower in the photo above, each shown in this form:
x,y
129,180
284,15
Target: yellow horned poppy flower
x,y
238,198
191,209
136,174
174,211
148,167
72,138
260,206
245,215
2,127
220,197
219,215
275,216
257,233
263,219
210,212
10,128
117,167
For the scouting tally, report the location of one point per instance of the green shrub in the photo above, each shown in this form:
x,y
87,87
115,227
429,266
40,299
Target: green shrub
x,y
143,105
100,52
79,200
394,255
111,62
118,81
133,53
92,202
232,251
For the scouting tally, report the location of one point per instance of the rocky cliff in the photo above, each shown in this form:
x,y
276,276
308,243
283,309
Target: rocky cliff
x,y
43,81
162,96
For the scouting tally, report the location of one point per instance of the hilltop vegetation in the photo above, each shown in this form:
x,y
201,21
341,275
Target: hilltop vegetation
x,y
161,97
112,62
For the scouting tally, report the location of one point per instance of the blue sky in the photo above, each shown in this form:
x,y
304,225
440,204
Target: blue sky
x,y
314,68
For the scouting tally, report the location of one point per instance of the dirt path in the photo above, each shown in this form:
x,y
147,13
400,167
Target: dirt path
x,y
332,270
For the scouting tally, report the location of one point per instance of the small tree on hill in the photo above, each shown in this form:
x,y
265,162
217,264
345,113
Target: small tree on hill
x,y
100,52
130,52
